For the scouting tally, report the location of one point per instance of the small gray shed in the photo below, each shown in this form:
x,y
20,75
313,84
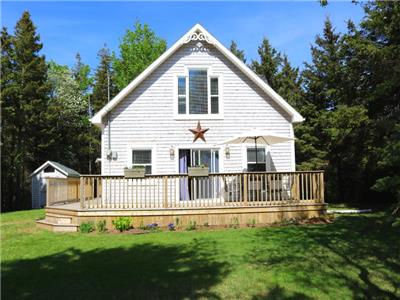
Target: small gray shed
x,y
49,169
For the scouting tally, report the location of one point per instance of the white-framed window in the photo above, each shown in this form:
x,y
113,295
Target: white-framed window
x,y
258,164
142,157
214,94
198,93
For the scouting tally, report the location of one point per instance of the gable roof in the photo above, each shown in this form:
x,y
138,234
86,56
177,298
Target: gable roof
x,y
60,167
197,32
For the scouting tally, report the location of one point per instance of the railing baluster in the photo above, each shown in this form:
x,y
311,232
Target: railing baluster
x,y
250,189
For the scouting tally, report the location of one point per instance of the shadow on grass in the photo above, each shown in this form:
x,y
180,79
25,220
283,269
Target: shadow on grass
x,y
280,293
145,271
357,257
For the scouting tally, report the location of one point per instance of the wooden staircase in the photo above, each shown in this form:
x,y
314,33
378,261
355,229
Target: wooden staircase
x,y
57,222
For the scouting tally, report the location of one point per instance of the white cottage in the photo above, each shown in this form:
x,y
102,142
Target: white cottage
x,y
40,177
178,115
196,84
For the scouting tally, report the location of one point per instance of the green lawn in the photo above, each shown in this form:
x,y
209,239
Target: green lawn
x,y
356,257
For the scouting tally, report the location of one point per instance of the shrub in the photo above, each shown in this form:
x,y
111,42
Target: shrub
x,y
206,224
101,226
234,223
171,227
122,223
191,226
86,227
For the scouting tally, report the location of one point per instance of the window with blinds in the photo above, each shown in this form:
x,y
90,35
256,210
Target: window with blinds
x,y
198,93
142,158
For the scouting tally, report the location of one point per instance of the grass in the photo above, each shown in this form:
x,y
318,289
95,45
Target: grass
x,y
356,257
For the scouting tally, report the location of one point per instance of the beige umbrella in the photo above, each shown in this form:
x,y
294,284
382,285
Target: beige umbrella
x,y
258,136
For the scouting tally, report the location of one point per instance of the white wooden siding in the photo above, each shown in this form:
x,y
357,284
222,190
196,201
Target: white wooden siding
x,y
39,182
146,117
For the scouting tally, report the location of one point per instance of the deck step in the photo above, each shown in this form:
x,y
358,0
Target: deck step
x,y
56,227
58,219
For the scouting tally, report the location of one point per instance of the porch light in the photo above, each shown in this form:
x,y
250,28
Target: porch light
x,y
172,152
227,152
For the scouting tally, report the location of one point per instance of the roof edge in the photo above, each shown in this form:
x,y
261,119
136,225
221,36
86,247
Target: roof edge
x,y
295,116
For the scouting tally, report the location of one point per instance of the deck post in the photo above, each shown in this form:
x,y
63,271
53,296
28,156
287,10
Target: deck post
x,y
82,192
245,189
295,187
165,191
321,189
48,191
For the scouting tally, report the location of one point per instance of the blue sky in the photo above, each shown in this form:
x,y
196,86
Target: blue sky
x,y
70,27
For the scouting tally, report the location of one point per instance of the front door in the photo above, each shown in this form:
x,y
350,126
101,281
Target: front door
x,y
195,188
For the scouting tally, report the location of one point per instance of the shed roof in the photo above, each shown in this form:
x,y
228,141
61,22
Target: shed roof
x,y
60,167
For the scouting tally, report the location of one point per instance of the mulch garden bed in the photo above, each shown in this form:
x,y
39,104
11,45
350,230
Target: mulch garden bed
x,y
137,231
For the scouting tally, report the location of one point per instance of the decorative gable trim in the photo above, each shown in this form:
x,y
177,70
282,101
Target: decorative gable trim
x,y
200,34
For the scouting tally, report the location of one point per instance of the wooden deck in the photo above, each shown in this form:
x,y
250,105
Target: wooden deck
x,y
215,200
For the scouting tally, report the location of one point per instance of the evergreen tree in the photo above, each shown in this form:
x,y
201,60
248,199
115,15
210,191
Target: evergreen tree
x,y
288,84
323,76
269,64
100,88
26,115
9,154
375,60
81,73
333,135
235,50
138,49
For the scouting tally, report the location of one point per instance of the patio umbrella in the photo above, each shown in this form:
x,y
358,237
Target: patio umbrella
x,y
259,137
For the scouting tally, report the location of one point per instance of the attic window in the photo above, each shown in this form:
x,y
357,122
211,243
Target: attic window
x,y
198,93
49,169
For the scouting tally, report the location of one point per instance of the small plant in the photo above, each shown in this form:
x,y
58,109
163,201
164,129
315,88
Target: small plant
x,y
191,226
206,224
101,226
171,227
122,223
152,227
251,223
141,226
234,223
86,227
177,223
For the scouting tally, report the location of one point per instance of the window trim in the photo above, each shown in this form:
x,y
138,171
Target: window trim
x,y
244,154
208,116
132,147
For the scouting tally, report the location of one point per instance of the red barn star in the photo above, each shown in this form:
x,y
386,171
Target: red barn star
x,y
198,132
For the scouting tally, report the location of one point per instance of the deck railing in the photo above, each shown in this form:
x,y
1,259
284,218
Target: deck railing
x,y
216,190
62,190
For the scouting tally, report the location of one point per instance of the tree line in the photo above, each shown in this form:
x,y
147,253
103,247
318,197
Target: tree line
x,y
348,94
46,106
